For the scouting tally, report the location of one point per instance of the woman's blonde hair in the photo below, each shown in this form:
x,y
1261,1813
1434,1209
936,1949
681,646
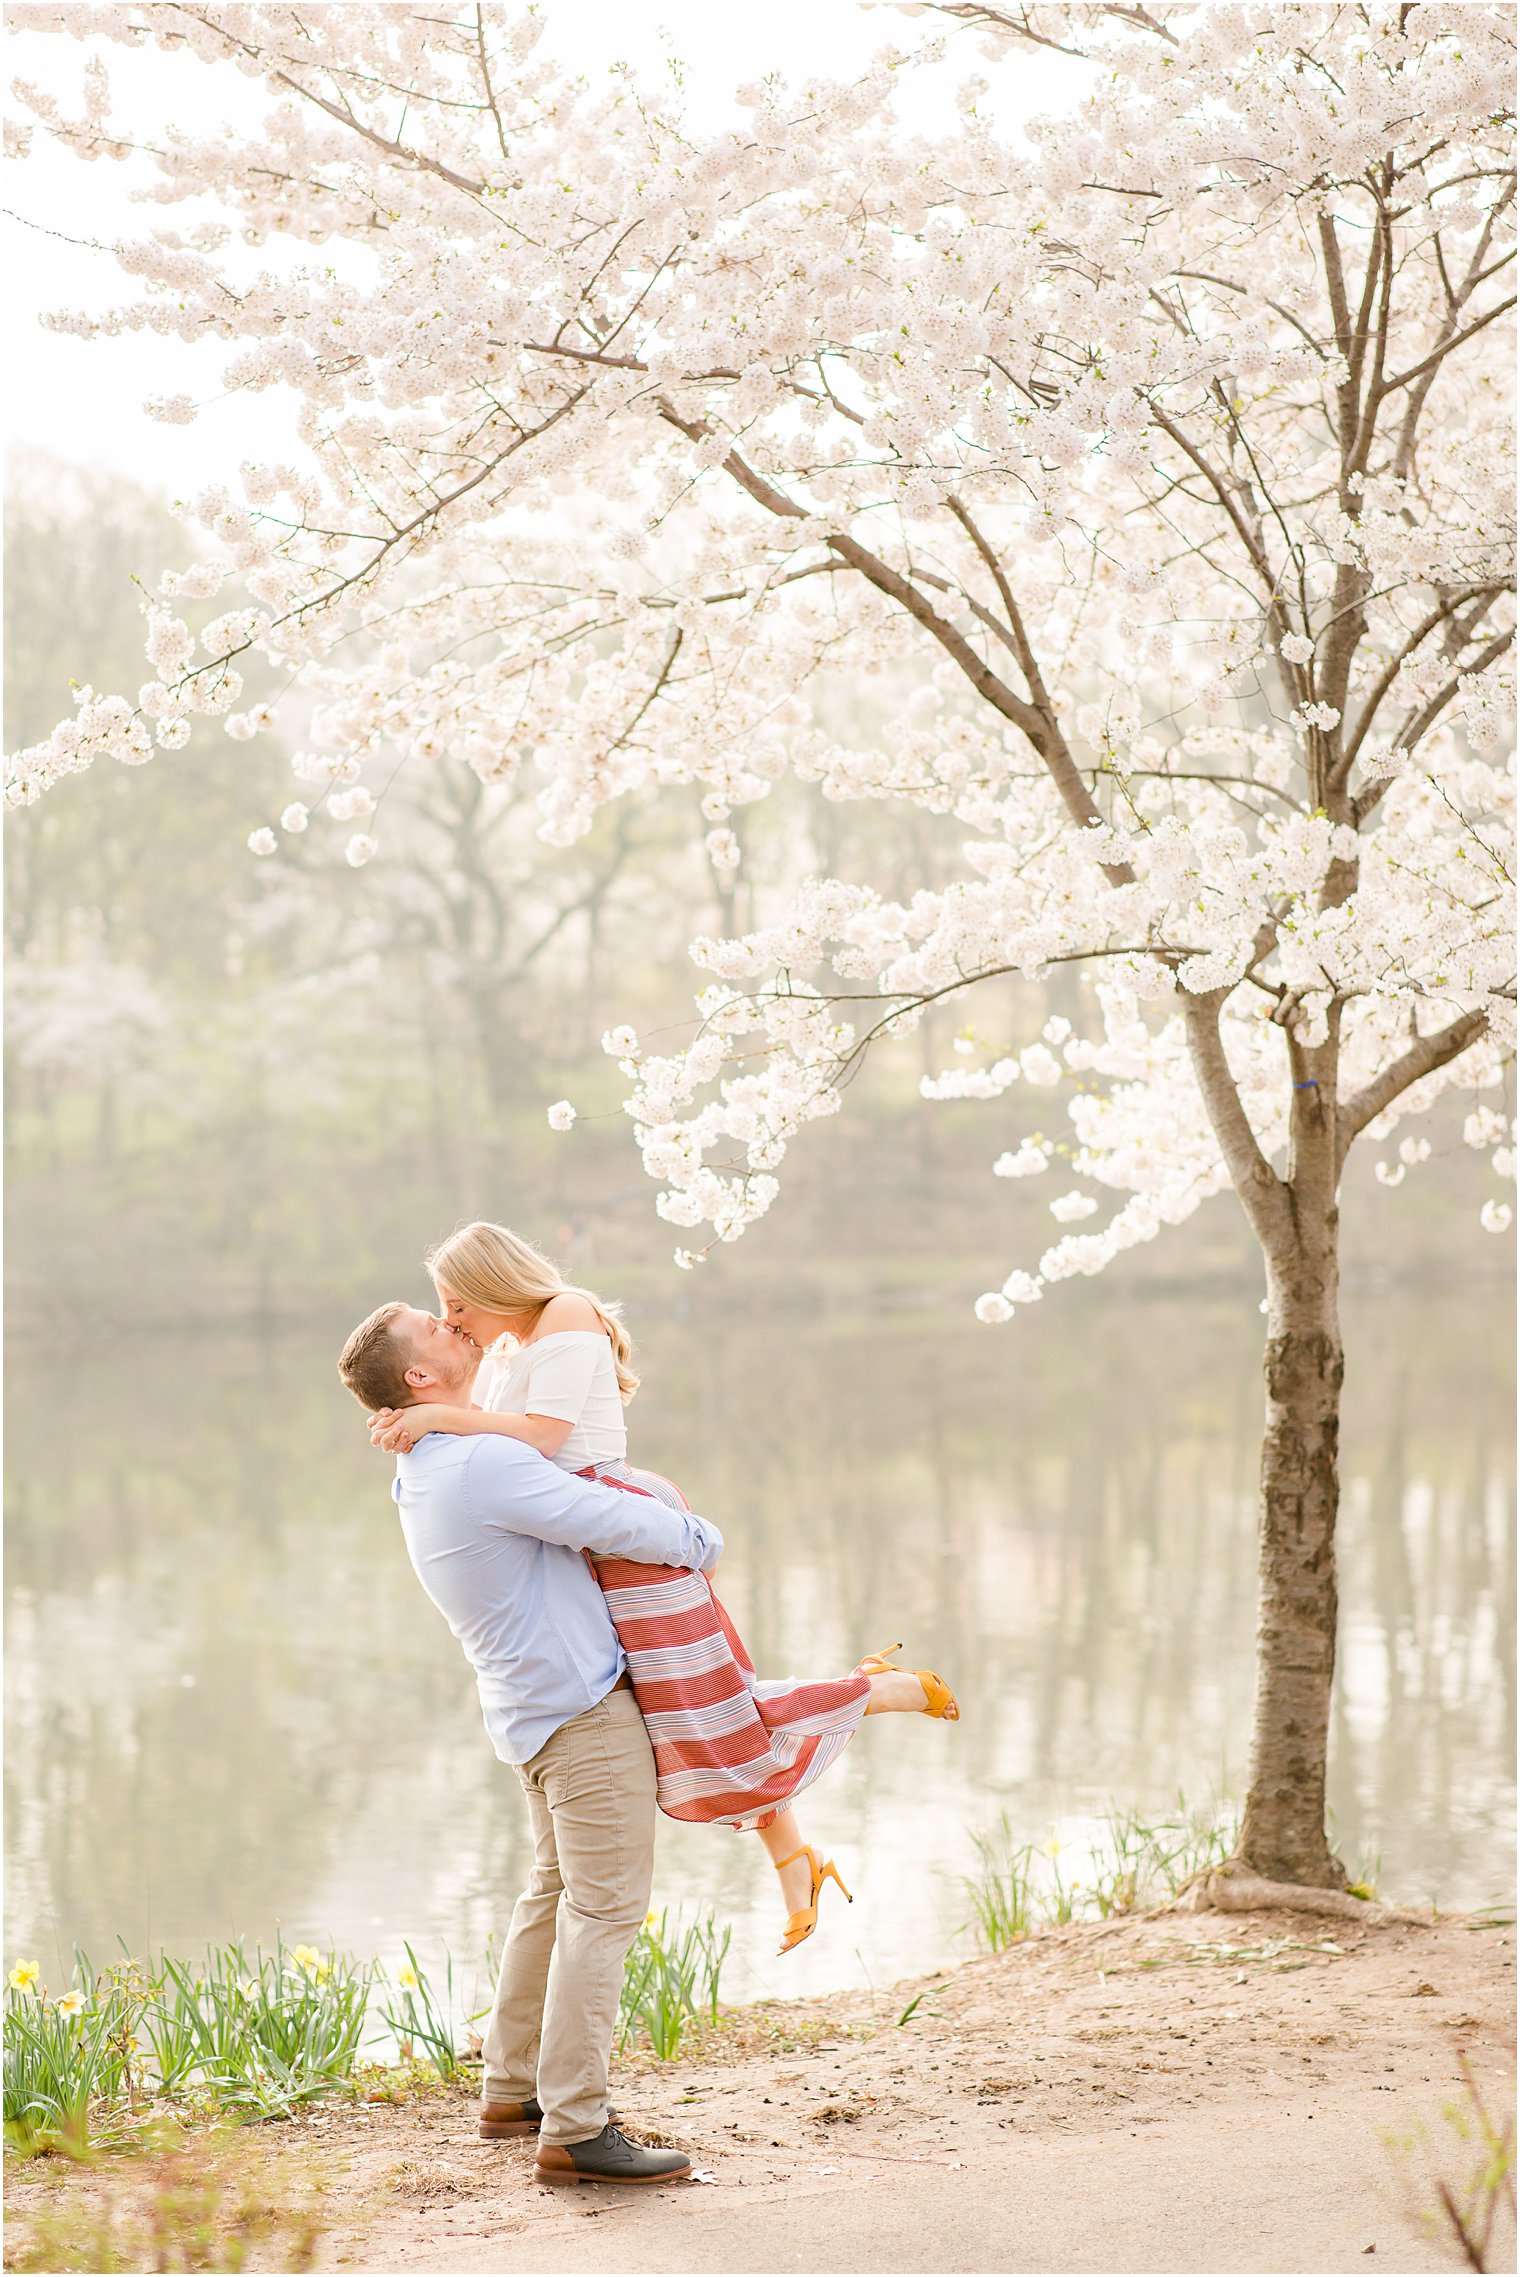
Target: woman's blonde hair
x,y
490,1266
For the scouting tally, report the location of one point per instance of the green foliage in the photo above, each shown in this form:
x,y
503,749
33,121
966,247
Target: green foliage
x,y
64,2056
1131,1862
257,2037
423,2021
670,1980
1138,1861
999,1890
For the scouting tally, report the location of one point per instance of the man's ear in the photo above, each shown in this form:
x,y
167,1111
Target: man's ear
x,y
417,1379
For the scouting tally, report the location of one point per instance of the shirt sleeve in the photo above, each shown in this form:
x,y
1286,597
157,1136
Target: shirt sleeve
x,y
559,1381
516,1489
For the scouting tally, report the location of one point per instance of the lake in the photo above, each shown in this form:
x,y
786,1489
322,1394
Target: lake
x,y
231,1706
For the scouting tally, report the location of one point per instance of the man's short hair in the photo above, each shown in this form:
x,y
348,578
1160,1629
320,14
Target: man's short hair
x,y
374,1361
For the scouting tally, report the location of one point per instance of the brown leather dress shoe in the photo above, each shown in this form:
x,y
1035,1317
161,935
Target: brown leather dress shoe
x,y
608,2157
501,2122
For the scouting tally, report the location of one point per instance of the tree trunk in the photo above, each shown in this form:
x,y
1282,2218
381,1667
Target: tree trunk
x,y
1282,1837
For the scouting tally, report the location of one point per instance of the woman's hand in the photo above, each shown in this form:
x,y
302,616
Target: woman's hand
x,y
390,1430
397,1429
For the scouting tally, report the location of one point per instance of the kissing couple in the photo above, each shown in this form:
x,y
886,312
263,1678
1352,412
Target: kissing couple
x,y
609,1675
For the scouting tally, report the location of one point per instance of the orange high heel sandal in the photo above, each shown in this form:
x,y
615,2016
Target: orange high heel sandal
x,y
939,1700
801,1924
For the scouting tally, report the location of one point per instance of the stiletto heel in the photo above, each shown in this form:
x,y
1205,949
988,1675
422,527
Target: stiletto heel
x,y
878,1663
801,1924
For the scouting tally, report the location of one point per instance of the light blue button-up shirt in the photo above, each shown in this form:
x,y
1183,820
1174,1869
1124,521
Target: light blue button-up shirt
x,y
495,1532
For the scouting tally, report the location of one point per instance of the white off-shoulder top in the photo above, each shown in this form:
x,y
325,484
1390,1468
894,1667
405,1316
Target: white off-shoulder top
x,y
569,1375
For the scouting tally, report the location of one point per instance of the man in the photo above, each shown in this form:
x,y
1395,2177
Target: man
x,y
495,1533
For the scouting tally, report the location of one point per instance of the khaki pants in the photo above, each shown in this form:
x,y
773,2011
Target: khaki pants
x,y
590,1797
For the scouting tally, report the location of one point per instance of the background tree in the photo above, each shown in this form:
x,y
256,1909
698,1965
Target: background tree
x,y
1169,454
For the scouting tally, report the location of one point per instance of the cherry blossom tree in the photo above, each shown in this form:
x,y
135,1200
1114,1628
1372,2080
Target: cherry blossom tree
x,y
1167,443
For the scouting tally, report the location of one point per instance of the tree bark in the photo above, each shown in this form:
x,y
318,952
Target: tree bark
x,y
1296,1219
1282,1835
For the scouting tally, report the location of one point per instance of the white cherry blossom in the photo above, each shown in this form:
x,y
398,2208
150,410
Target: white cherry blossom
x,y
1245,759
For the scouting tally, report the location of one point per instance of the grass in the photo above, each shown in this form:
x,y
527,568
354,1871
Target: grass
x,y
1001,1890
255,2036
1128,1862
670,1980
258,2036
424,2021
62,2056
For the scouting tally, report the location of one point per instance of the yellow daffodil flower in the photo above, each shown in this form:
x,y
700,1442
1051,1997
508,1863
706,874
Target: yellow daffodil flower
x,y
24,1975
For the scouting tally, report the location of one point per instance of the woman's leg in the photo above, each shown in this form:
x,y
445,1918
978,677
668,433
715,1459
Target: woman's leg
x,y
781,1838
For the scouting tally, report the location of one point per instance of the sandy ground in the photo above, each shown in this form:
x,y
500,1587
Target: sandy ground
x,y
1173,2094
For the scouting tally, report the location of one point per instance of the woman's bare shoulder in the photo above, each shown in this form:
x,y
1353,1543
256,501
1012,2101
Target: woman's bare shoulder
x,y
567,1311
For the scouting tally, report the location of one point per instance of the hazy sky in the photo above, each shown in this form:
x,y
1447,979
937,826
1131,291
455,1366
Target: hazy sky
x,y
83,398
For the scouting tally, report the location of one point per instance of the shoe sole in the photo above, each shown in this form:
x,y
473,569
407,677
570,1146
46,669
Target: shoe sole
x,y
557,2174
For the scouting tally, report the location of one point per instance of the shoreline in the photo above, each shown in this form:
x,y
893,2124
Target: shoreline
x,y
1156,2091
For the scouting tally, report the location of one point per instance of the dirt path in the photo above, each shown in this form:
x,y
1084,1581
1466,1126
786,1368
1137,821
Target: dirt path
x,y
1172,2094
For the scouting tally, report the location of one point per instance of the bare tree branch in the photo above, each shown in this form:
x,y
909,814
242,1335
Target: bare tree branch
x,y
1439,355
1062,769
485,81
1017,24
1448,610
1421,1059
1419,723
1263,1195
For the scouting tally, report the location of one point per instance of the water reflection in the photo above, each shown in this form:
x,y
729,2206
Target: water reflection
x,y
230,1706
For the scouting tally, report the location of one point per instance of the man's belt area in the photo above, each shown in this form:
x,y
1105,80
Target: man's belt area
x,y
624,1683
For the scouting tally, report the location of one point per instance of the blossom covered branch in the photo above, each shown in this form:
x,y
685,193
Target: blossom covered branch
x,y
1168,445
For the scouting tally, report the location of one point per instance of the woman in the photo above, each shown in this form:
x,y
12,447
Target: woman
x,y
730,1748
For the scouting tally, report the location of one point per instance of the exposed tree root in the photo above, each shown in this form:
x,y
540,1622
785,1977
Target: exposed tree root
x,y
1235,1889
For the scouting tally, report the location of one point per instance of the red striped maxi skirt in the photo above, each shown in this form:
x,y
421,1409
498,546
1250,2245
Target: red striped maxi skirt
x,y
730,1748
